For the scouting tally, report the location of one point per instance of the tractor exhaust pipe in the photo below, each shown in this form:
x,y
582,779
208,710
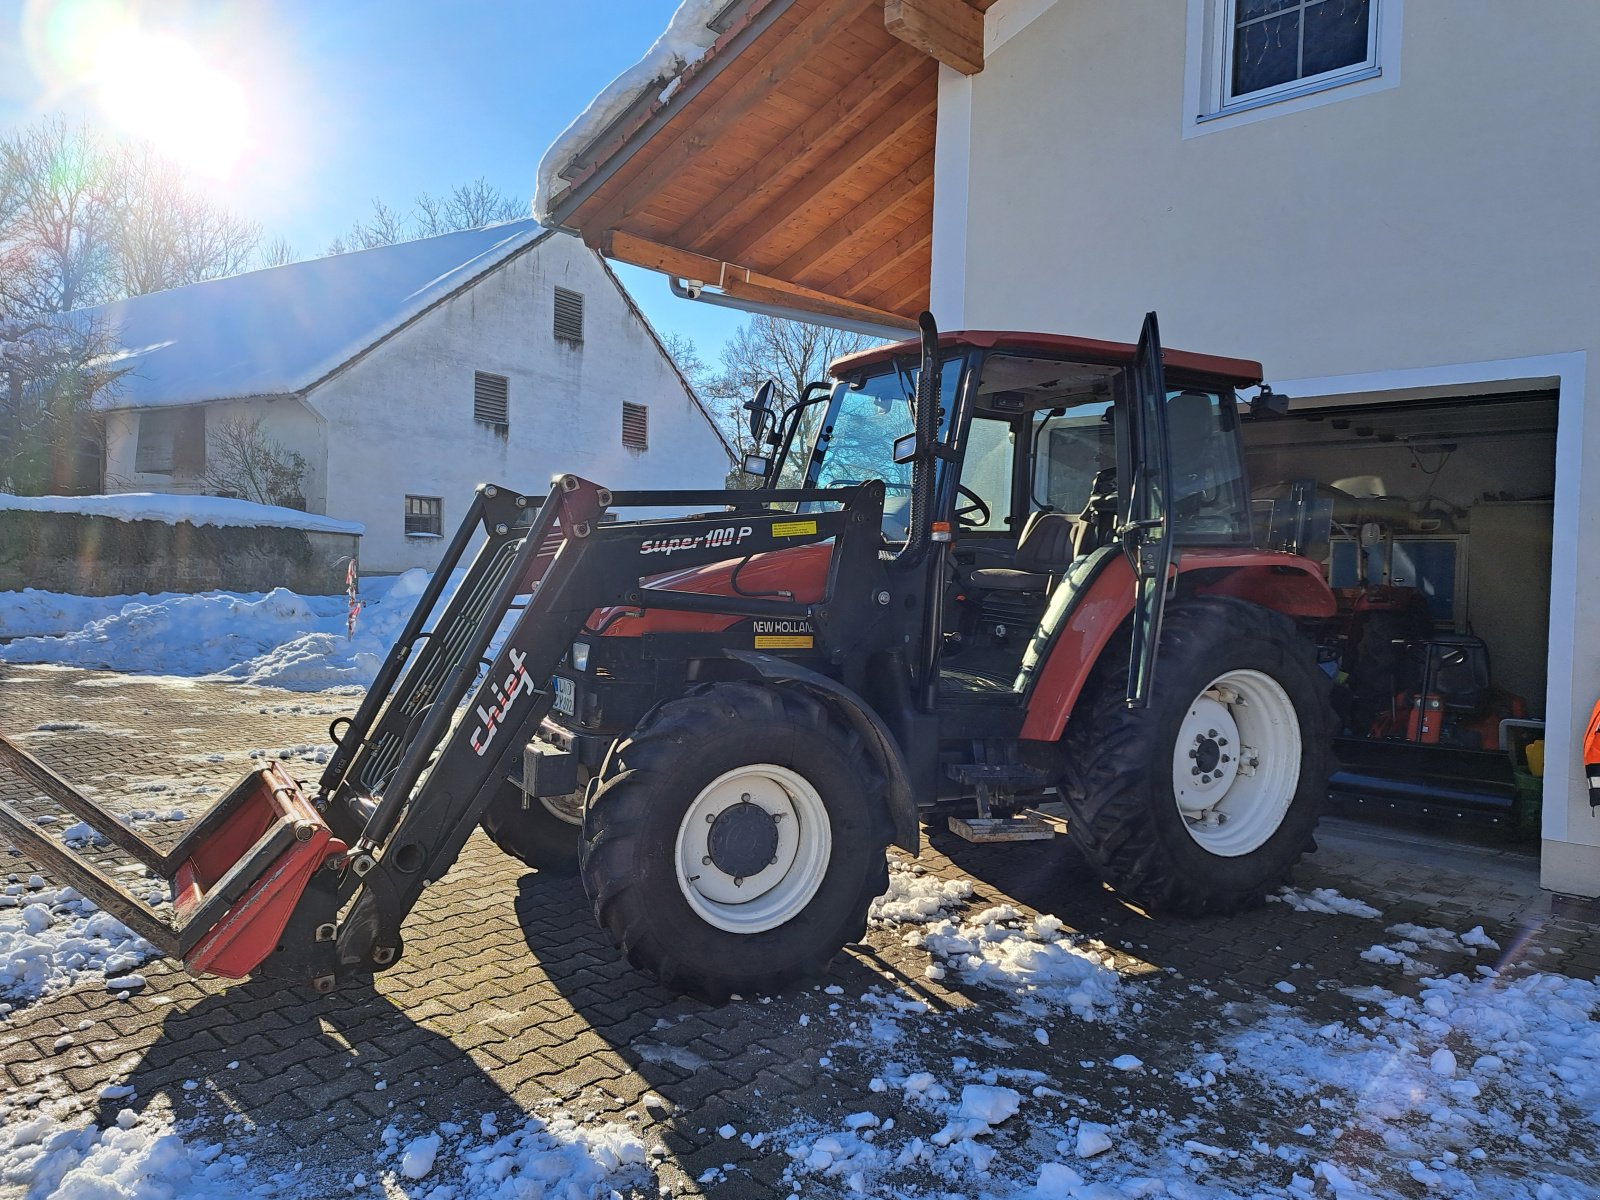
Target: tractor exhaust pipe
x,y
926,426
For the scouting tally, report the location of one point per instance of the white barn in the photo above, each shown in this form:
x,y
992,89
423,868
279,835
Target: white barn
x,y
1389,203
406,375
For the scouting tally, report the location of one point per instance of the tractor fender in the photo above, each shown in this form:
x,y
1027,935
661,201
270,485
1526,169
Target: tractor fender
x,y
902,809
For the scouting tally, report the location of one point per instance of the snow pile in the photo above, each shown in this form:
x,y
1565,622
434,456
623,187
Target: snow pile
x,y
1028,957
915,897
34,613
171,509
1324,900
276,639
136,1158
685,42
544,1156
1470,1072
51,938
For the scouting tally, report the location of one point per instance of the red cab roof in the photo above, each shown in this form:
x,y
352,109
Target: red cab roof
x,y
1242,372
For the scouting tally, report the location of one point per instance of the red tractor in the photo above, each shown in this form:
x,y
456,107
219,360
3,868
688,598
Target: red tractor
x,y
983,572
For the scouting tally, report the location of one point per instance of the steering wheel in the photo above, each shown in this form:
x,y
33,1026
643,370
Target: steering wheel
x,y
975,513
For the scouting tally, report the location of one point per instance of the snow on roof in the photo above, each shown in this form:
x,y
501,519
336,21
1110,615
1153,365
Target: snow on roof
x,y
687,38
280,330
171,509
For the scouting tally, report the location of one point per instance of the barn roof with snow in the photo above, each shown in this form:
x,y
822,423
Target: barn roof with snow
x,y
283,330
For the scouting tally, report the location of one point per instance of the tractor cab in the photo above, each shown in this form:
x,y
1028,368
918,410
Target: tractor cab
x,y
1033,467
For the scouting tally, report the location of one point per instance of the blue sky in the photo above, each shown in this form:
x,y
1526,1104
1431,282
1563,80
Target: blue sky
x,y
351,100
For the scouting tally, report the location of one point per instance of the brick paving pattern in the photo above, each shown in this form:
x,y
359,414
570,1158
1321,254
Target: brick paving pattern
x,y
509,999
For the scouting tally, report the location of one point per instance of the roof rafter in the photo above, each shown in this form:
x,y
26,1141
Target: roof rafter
x,y
948,30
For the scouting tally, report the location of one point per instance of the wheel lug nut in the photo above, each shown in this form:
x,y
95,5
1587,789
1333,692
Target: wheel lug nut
x,y
1194,770
1211,733
705,860
1225,758
1205,779
1194,754
1222,741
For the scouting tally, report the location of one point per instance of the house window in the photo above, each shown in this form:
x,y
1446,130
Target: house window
x,y
424,516
635,426
490,394
1285,55
1275,45
569,317
171,442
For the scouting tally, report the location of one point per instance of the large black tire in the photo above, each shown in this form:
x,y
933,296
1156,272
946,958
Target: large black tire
x,y
656,793
534,834
1123,779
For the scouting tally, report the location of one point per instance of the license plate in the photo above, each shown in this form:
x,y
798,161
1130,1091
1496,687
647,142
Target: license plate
x,y
566,701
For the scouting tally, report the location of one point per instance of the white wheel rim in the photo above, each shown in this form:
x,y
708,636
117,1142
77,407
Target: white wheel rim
x,y
567,809
1236,762
778,890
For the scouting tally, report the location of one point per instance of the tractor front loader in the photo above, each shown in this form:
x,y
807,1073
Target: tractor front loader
x,y
946,598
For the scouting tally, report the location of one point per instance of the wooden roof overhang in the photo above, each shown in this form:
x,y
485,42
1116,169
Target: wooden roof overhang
x,y
1240,372
792,166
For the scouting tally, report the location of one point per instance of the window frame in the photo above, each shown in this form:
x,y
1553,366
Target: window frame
x,y
1228,13
436,515
1209,103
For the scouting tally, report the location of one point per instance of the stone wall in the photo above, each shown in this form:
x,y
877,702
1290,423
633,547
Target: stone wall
x,y
102,556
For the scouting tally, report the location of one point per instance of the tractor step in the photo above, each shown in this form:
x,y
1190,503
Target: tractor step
x,y
1024,828
1011,776
235,878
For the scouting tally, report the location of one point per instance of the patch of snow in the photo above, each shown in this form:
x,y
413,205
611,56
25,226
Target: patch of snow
x,y
171,509
59,937
1324,900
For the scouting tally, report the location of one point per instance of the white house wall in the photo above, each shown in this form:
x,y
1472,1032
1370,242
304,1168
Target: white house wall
x,y
1445,224
285,421
400,420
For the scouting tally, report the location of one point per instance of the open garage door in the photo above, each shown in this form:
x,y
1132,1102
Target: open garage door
x,y
1433,522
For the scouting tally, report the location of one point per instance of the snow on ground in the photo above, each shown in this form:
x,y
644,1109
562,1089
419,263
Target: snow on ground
x,y
1323,900
53,938
273,639
35,613
171,509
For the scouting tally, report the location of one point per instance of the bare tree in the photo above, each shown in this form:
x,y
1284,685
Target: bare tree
x,y
790,353
466,206
166,235
53,370
60,218
277,253
243,460
84,219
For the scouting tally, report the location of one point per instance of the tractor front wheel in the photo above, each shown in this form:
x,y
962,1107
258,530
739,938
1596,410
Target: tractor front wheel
x,y
544,835
736,840
1202,801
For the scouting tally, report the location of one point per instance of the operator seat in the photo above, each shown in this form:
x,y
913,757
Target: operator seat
x,y
1046,548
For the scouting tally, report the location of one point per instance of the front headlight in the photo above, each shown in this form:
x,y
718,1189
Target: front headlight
x,y
580,656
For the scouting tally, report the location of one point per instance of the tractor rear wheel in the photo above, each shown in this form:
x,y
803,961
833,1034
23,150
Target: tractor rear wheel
x,y
736,840
1202,801
544,835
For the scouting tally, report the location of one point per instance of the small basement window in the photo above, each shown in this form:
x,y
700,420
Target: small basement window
x,y
490,400
424,516
569,317
635,426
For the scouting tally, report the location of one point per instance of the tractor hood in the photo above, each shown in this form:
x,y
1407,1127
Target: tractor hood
x,y
800,574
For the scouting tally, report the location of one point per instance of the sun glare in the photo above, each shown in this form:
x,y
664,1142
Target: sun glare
x,y
162,90
149,84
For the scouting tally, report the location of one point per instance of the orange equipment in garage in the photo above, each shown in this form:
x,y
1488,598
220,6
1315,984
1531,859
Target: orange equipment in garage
x,y
1591,756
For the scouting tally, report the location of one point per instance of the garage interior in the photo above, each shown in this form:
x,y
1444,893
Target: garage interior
x,y
1440,651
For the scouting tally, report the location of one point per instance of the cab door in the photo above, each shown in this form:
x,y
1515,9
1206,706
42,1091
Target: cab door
x,y
1146,523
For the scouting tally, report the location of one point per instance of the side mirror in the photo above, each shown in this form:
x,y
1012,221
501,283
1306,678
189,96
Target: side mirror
x,y
760,410
905,448
757,465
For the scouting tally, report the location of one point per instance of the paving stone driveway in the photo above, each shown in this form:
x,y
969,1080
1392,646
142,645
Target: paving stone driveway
x,y
509,1000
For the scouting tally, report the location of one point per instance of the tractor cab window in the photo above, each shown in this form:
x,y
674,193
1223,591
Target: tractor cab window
x,y
854,440
1209,498
987,466
1071,448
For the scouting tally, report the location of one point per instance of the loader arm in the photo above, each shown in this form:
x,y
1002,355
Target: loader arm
x,y
260,883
